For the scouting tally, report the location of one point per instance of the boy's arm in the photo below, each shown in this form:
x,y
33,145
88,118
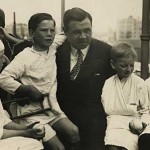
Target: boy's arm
x,y
53,100
30,133
14,129
14,126
6,35
59,39
9,76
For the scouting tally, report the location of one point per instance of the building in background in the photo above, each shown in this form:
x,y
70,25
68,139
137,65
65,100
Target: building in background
x,y
21,30
129,28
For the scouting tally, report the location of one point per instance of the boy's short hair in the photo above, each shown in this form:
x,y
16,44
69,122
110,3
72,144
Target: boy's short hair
x,y
38,18
122,50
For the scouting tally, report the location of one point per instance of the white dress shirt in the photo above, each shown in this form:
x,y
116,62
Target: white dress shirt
x,y
74,56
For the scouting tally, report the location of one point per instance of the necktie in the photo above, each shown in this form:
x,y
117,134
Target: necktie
x,y
76,68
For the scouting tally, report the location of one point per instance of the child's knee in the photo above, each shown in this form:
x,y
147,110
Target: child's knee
x,y
54,144
59,147
53,147
74,135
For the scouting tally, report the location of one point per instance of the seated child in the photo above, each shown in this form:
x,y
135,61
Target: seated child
x,y
125,101
16,137
35,68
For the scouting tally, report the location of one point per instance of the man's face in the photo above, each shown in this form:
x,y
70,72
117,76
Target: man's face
x,y
79,33
44,34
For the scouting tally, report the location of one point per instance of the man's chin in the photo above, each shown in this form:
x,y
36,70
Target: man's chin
x,y
82,46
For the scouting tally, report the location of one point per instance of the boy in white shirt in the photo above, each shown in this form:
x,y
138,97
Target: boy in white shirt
x,y
35,69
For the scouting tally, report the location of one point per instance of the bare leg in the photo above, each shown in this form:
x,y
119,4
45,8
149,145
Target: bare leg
x,y
112,147
70,132
53,144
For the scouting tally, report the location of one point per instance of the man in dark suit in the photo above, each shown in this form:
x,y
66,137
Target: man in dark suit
x,y
83,66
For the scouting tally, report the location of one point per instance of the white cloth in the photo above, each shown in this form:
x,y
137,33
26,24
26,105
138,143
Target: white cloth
x,y
15,143
37,69
120,100
1,46
20,143
3,119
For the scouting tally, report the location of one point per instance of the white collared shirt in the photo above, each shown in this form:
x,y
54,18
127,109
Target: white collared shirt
x,y
74,56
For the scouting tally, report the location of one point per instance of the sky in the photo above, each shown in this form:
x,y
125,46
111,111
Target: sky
x,y
105,13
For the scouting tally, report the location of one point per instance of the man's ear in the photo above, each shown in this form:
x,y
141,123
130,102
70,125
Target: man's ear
x,y
65,31
112,64
31,32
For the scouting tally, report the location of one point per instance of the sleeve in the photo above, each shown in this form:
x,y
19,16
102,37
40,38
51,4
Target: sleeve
x,y
53,100
1,46
143,103
9,76
105,94
59,39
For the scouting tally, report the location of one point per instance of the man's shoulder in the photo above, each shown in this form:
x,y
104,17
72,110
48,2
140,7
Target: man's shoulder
x,y
64,44
100,43
63,48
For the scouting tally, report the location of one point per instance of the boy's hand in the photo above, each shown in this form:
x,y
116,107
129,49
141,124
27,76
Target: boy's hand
x,y
30,91
36,133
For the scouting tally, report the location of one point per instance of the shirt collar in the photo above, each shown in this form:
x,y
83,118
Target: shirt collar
x,y
84,51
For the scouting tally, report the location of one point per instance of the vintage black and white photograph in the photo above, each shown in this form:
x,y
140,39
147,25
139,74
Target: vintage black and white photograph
x,y
74,75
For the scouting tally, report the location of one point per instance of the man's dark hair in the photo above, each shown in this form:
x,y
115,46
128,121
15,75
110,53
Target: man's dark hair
x,y
75,14
38,18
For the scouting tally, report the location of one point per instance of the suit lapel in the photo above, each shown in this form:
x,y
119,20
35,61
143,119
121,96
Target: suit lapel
x,y
66,60
86,62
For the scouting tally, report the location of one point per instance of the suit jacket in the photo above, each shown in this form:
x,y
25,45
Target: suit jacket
x,y
81,99
87,86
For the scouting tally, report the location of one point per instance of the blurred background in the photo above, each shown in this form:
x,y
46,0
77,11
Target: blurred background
x,y
113,20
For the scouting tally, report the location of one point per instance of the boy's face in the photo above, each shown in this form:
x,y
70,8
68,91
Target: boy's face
x,y
124,66
44,34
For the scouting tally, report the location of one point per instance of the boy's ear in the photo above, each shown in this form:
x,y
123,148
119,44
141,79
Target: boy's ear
x,y
112,64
